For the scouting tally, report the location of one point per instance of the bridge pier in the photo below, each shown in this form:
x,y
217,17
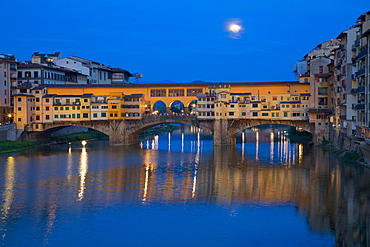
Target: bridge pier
x,y
119,134
222,134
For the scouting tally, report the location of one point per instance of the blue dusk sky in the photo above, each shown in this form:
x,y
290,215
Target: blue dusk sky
x,y
179,40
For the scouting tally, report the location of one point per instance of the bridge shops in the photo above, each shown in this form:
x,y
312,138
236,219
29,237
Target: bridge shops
x,y
119,111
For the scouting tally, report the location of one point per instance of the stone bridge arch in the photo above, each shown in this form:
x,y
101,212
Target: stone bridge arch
x,y
103,126
225,130
135,127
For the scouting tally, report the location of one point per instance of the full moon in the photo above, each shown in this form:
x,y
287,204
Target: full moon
x,y
235,28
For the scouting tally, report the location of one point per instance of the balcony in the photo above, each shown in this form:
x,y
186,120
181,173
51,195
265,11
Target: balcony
x,y
358,107
360,89
362,53
360,72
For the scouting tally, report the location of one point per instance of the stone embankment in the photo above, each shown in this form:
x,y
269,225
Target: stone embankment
x,y
341,141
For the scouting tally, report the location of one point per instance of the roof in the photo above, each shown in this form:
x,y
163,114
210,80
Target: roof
x,y
118,70
136,95
322,75
240,93
23,94
38,87
7,60
324,110
192,84
49,95
56,54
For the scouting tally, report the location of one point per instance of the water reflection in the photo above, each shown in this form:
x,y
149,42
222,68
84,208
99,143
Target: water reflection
x,y
8,192
39,191
83,167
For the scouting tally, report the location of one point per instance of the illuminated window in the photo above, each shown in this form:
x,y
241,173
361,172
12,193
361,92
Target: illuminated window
x,y
158,93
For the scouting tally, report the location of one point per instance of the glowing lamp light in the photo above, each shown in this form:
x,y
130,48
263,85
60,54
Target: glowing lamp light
x,y
84,143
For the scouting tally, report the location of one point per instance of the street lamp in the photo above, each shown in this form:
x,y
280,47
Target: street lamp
x,y
10,116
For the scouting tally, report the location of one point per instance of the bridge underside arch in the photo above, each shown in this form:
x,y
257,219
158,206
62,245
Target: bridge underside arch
x,y
157,120
299,124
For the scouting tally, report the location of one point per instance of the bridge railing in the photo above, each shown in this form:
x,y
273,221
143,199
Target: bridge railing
x,y
168,118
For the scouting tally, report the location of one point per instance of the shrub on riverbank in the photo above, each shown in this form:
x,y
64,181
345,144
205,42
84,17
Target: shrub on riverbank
x,y
299,136
156,130
92,134
349,155
12,145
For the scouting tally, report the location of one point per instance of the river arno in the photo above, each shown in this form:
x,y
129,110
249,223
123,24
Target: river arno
x,y
178,190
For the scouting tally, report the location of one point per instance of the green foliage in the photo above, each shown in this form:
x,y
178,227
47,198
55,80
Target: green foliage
x,y
292,131
324,142
353,156
297,136
157,130
11,145
92,134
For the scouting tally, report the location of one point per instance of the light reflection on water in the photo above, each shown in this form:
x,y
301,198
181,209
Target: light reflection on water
x,y
177,184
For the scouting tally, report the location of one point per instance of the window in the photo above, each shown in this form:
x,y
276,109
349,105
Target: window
x,y
47,117
175,92
19,119
67,108
265,114
36,74
104,107
285,114
37,108
68,101
274,98
114,106
95,107
231,113
37,117
277,114
255,114
56,116
56,108
73,108
19,99
86,100
193,91
37,99
47,100
223,96
85,115
255,105
78,115
73,115
95,115
61,108
19,108
244,113
103,114
158,93
77,100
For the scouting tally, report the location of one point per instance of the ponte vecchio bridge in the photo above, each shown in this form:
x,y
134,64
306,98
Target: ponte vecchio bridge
x,y
124,111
